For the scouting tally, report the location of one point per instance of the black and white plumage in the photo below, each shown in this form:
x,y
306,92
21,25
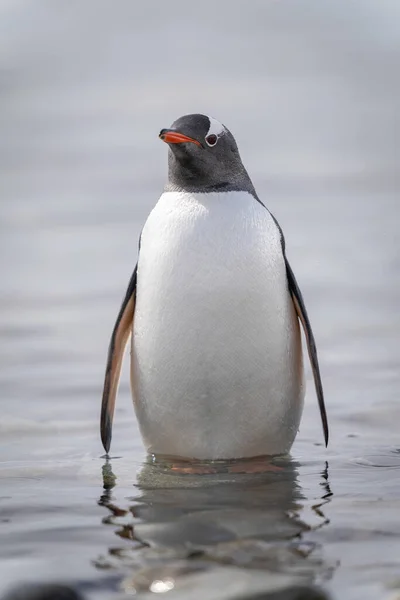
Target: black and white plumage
x,y
214,308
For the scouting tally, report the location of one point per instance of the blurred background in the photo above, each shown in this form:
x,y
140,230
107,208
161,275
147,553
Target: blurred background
x,y
311,91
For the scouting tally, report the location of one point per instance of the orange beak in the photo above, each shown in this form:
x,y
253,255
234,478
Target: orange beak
x,y
169,136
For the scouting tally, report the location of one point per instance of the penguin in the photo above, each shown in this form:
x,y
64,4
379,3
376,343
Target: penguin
x,y
213,310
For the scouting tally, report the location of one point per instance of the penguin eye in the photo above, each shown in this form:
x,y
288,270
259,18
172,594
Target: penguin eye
x,y
211,139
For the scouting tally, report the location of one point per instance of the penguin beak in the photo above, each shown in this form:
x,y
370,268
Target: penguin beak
x,y
170,136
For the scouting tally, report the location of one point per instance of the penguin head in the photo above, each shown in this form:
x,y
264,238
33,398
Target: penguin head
x,y
203,156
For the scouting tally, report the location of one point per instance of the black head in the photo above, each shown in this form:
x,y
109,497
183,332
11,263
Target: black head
x,y
203,157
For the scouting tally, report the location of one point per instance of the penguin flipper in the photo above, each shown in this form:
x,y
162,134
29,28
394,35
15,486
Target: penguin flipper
x,y
312,349
119,339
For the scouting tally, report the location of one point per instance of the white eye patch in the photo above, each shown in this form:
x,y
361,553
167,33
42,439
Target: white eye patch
x,y
216,128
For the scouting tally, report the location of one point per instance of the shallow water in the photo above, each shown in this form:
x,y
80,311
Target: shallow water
x,y
311,94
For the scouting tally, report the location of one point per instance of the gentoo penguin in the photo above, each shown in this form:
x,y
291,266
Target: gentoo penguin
x,y
213,307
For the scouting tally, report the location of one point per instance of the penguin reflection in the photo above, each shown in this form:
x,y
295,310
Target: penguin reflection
x,y
210,515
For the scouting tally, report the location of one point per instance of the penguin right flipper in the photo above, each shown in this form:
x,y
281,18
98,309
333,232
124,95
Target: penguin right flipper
x,y
301,311
119,338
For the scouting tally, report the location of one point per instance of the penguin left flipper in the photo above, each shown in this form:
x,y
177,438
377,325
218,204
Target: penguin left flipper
x,y
119,338
312,349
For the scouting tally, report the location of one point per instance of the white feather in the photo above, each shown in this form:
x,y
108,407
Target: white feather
x,y
216,128
217,365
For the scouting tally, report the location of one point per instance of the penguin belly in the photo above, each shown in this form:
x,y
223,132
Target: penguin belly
x,y
216,362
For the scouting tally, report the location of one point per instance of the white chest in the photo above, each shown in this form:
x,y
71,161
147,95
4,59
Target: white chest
x,y
211,238
215,335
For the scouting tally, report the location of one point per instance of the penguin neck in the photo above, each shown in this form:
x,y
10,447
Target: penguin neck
x,y
185,177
